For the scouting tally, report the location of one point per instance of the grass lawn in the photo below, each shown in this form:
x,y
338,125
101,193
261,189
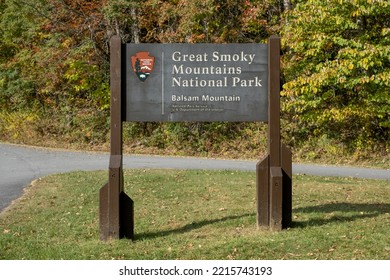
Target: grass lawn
x,y
198,215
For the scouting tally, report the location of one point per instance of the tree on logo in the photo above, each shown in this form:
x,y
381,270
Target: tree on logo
x,y
137,66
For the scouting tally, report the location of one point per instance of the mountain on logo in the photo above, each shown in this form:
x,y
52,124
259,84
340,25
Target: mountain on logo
x,y
142,64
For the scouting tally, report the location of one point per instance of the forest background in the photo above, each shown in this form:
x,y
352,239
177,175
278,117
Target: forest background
x,y
54,74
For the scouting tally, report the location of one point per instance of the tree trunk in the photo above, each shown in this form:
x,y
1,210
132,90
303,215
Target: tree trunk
x,y
286,5
134,27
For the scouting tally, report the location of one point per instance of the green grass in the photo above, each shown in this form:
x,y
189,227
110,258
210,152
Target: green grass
x,y
198,215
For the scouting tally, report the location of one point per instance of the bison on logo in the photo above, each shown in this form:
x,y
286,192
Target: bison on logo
x,y
142,64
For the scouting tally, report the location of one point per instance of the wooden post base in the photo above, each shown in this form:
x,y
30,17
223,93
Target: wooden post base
x,y
116,209
274,192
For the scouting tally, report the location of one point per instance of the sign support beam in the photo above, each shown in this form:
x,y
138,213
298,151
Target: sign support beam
x,y
116,215
274,172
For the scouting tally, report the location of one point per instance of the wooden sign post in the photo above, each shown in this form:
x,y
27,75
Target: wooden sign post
x,y
116,210
274,171
200,82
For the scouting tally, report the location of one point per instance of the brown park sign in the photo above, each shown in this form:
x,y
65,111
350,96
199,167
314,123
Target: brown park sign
x,y
196,82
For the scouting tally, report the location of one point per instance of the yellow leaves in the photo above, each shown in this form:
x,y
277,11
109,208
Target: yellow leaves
x,y
18,125
364,63
341,114
356,13
42,36
364,80
337,76
67,42
385,32
342,79
311,52
384,78
382,3
352,71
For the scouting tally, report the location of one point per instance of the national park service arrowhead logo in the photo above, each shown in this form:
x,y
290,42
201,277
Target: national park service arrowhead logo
x,y
142,64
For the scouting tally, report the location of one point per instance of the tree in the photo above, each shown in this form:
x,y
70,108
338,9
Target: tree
x,y
122,18
337,71
19,31
208,21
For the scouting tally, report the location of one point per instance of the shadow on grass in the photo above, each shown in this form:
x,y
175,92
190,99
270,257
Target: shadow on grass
x,y
331,213
340,212
189,227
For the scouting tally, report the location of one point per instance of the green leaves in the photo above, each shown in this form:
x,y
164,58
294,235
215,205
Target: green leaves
x,y
337,69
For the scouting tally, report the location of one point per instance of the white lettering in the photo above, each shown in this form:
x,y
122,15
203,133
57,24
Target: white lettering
x,y
242,57
237,81
206,70
226,98
177,70
177,98
196,82
178,57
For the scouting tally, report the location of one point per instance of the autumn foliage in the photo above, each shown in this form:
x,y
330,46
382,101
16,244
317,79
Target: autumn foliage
x,y
54,70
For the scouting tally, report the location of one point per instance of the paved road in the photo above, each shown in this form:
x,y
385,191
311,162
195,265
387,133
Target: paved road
x,y
19,165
